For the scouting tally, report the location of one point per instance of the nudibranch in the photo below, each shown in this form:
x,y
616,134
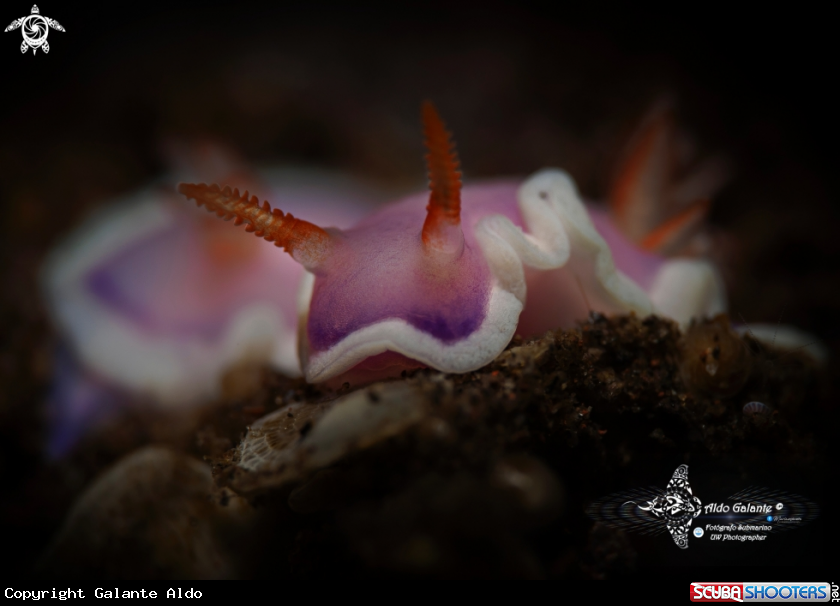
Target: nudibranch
x,y
157,300
445,279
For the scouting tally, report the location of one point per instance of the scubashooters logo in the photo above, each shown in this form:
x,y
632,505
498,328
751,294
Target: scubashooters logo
x,y
35,29
754,514
760,592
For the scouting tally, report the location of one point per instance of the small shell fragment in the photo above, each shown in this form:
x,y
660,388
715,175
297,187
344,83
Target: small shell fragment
x,y
298,439
756,408
715,358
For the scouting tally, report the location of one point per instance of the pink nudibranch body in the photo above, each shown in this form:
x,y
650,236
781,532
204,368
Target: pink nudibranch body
x,y
445,279
533,260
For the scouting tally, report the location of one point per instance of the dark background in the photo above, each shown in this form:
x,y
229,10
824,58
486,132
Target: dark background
x,y
522,87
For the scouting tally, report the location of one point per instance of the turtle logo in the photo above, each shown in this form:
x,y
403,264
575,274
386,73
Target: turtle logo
x,y
35,28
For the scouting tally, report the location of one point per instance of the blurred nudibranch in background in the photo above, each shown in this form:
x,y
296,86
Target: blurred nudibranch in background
x,y
154,300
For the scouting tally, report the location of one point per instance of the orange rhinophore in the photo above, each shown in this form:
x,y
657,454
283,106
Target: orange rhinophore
x,y
307,243
442,228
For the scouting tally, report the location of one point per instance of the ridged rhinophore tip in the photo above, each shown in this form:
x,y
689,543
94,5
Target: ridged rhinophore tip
x,y
307,243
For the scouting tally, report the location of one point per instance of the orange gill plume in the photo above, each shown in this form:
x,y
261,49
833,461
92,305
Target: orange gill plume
x,y
644,201
668,237
636,195
442,228
307,243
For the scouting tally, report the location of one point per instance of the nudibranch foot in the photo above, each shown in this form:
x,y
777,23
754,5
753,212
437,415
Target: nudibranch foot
x,y
382,366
